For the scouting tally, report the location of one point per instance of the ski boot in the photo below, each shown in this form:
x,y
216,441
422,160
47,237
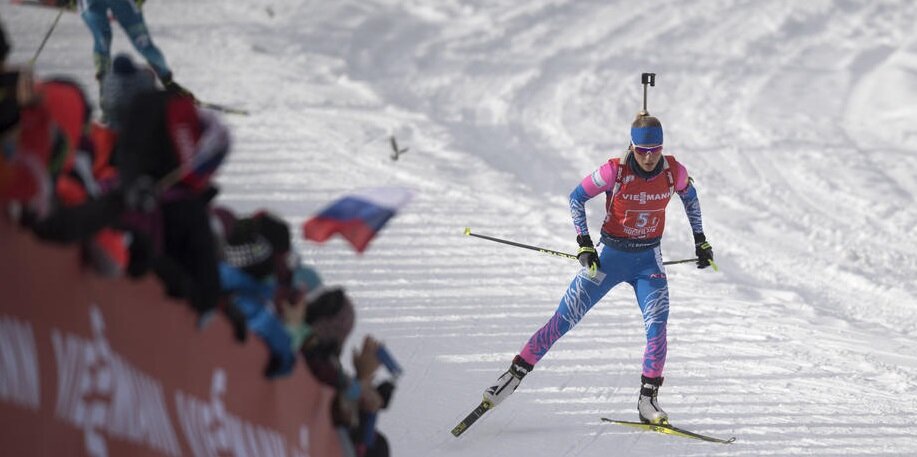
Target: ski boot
x,y
508,382
647,406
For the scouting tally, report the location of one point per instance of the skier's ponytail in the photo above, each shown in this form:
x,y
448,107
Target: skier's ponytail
x,y
644,119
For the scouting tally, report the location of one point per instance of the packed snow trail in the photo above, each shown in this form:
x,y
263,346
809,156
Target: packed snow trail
x,y
795,118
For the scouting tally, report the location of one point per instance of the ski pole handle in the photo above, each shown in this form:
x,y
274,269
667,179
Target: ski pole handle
x,y
551,251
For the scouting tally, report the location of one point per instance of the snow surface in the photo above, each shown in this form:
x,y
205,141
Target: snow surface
x,y
798,121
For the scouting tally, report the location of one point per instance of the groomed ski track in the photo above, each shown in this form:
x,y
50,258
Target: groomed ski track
x,y
795,118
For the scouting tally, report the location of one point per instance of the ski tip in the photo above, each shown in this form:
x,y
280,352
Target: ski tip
x,y
459,429
468,231
472,417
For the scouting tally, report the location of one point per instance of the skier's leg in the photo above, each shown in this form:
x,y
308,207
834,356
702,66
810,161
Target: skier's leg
x,y
129,15
582,294
652,291
96,19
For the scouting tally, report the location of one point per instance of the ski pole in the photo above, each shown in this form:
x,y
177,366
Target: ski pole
x,y
222,108
520,245
647,79
47,35
551,251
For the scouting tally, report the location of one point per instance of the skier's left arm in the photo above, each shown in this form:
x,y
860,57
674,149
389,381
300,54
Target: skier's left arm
x,y
684,187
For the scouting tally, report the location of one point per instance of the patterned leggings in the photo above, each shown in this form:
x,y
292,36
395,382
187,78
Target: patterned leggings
x,y
643,270
129,15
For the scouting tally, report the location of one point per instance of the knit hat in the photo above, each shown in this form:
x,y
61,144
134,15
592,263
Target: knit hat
x,y
331,316
248,250
258,245
274,229
123,65
120,86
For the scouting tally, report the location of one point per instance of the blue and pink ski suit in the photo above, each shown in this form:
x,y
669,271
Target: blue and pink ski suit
x,y
635,220
130,16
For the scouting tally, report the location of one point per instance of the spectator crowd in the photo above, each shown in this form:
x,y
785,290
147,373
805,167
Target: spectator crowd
x,y
134,188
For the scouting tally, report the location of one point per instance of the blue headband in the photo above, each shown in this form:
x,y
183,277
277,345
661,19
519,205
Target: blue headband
x,y
646,135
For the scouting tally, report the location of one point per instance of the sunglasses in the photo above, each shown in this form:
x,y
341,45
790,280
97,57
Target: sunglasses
x,y
647,150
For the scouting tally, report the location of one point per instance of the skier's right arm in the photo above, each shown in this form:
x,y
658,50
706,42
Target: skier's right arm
x,y
601,180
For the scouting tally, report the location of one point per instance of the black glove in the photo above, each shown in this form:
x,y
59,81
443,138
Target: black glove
x,y
703,250
385,391
587,255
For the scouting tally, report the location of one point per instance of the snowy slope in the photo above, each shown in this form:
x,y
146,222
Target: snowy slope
x,y
795,118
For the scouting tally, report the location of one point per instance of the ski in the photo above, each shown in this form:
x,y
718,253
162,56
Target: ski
x,y
670,429
471,418
222,108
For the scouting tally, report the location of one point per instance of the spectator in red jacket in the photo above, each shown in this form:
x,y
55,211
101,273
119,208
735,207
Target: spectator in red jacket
x,y
168,142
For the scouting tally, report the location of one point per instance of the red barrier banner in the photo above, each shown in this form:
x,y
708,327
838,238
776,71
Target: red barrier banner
x,y
112,367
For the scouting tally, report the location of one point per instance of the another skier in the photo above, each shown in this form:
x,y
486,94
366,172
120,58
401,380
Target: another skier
x,y
638,188
128,13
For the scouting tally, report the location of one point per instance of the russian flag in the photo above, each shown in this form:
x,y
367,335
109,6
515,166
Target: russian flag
x,y
357,217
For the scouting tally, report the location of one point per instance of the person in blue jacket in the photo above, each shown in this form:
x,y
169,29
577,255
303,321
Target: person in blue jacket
x,y
251,297
255,251
129,14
